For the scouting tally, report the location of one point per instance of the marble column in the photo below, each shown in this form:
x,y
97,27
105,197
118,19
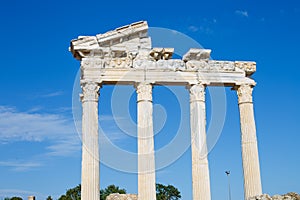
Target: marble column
x,y
252,182
90,182
146,160
200,169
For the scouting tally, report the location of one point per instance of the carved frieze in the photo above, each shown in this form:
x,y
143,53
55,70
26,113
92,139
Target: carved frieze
x,y
92,63
142,61
125,62
211,65
221,65
197,64
173,65
143,64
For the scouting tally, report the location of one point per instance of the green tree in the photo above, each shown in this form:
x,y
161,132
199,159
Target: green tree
x,y
49,198
109,190
168,192
72,194
16,198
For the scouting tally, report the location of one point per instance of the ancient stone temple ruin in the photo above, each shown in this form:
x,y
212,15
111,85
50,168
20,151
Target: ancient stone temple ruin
x,y
125,56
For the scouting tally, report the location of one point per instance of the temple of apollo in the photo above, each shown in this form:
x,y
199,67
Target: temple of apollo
x,y
126,56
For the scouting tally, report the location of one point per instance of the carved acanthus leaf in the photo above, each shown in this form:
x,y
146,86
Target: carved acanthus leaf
x,y
197,92
244,93
144,91
90,91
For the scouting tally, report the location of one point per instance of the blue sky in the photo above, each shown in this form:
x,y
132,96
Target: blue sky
x,y
40,148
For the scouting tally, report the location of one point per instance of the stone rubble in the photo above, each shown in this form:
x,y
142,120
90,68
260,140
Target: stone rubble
x,y
288,196
117,196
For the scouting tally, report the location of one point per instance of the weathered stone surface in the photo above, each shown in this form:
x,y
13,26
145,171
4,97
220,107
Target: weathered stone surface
x,y
252,180
146,159
117,196
129,47
127,39
200,169
288,196
90,147
197,54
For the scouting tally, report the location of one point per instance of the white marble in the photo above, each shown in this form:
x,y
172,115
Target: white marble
x,y
117,196
146,160
90,180
197,54
252,181
200,170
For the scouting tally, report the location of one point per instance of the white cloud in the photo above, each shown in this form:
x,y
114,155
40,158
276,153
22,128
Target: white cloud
x,y
53,94
201,29
205,26
20,165
35,109
242,13
56,129
193,28
63,148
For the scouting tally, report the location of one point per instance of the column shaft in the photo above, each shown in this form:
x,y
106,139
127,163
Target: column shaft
x,y
146,160
252,181
200,169
90,180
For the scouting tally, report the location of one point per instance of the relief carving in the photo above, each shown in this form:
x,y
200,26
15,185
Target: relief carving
x,y
144,91
90,91
248,67
197,93
244,93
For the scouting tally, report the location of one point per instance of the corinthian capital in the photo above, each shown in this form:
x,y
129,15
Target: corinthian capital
x,y
90,91
144,91
244,93
197,93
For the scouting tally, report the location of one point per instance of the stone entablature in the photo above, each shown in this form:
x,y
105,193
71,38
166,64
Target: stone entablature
x,y
210,72
128,49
